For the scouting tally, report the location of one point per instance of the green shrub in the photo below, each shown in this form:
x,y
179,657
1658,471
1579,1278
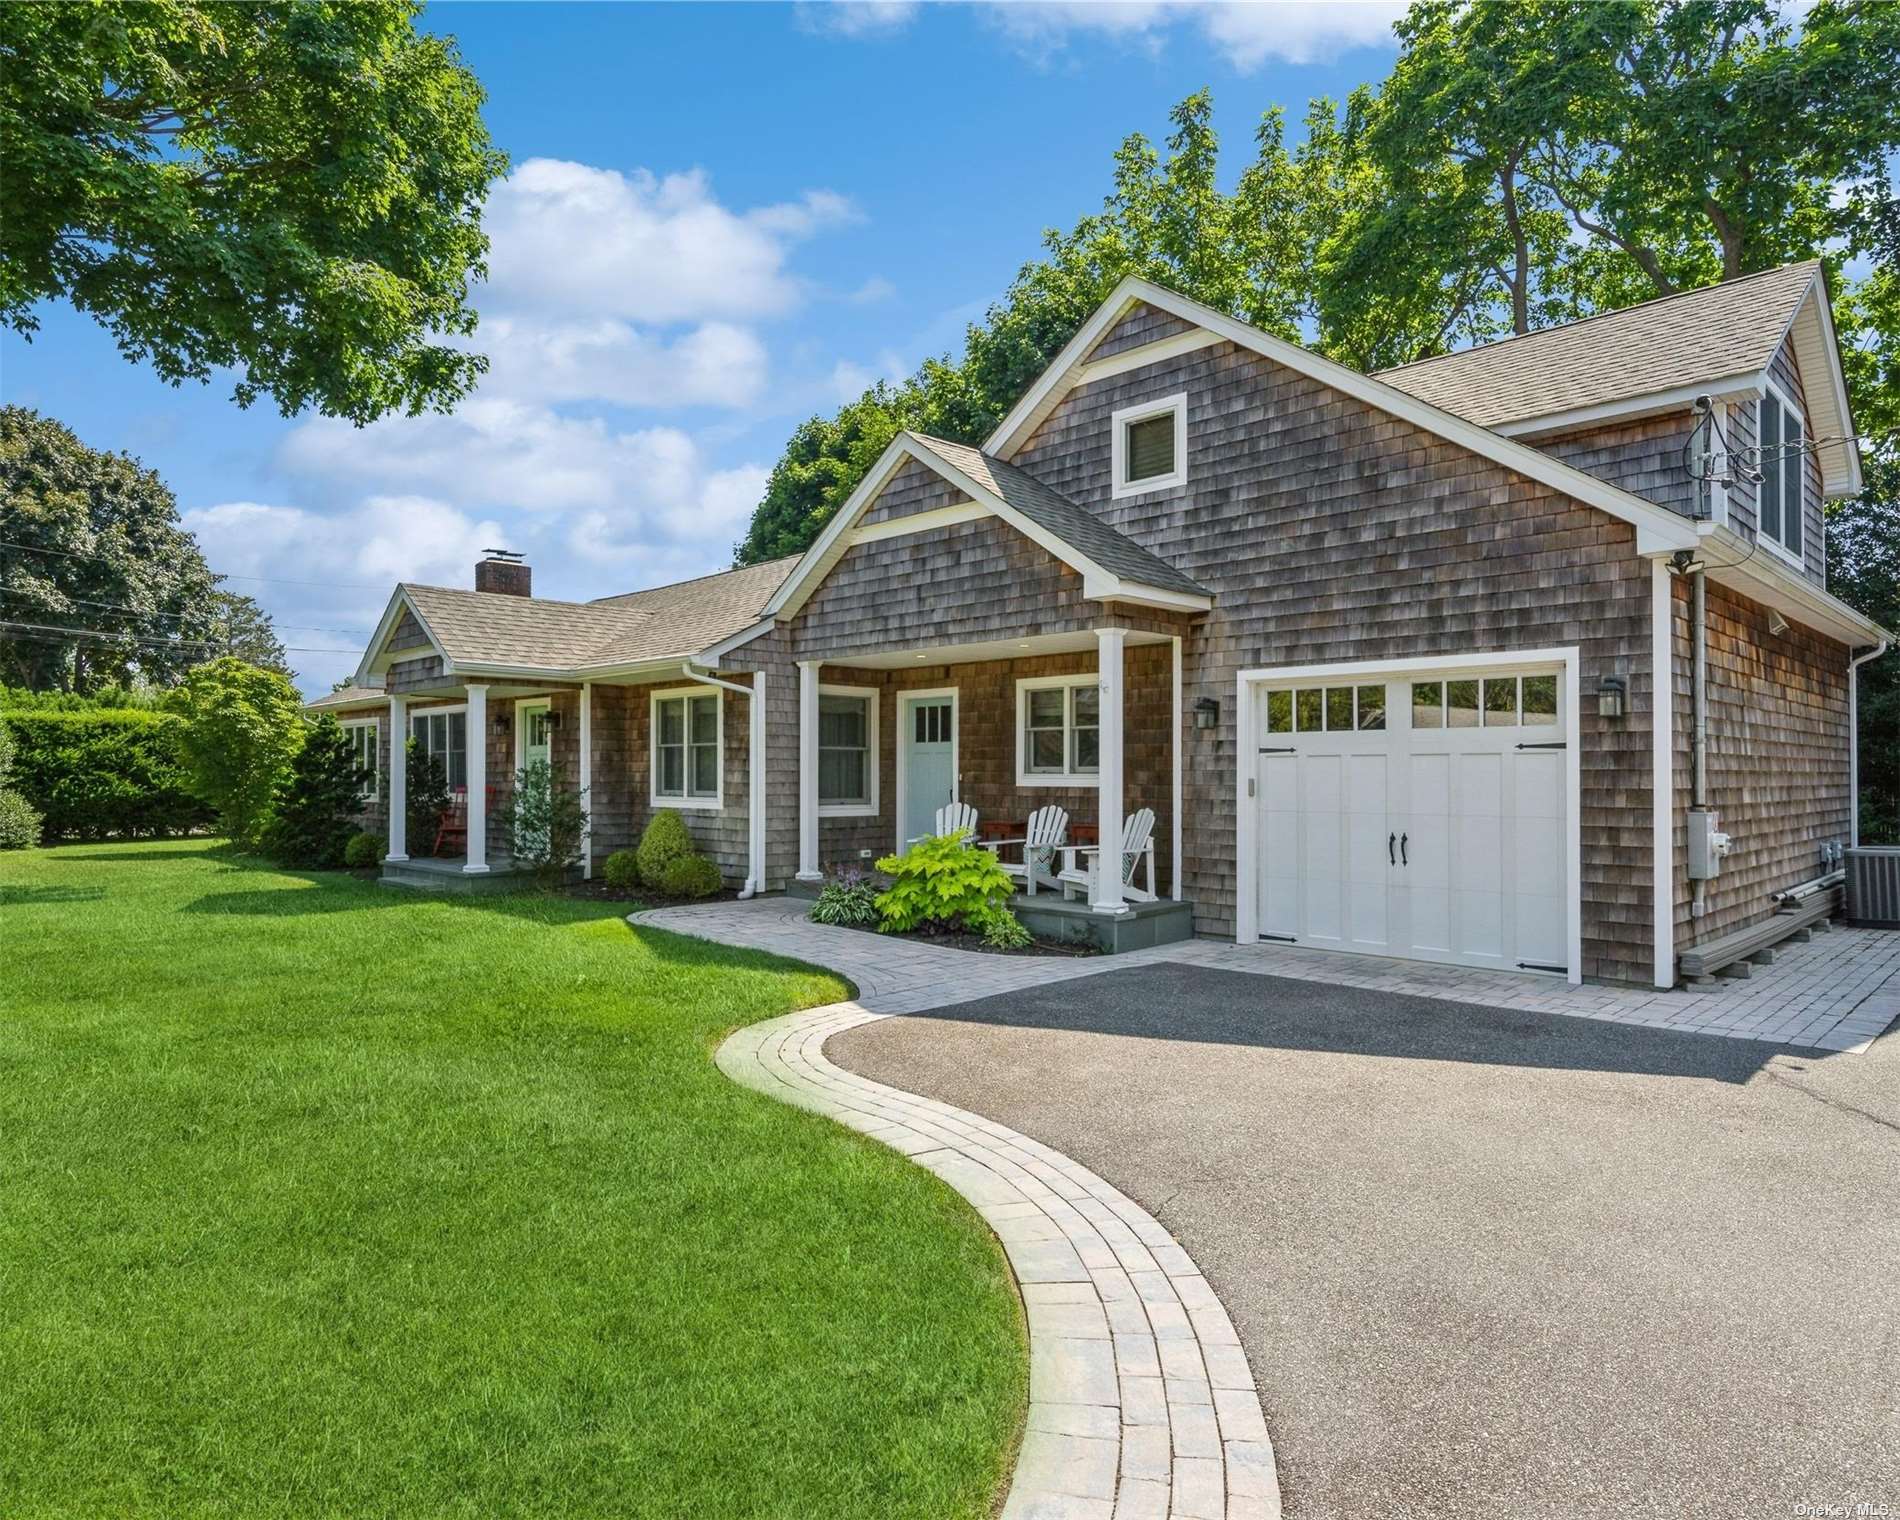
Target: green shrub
x,y
315,806
545,822
365,850
244,725
848,899
103,773
621,869
664,841
690,876
19,822
425,796
1003,930
942,880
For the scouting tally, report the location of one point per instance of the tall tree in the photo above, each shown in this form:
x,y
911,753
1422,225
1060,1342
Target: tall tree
x,y
243,728
242,628
291,189
91,541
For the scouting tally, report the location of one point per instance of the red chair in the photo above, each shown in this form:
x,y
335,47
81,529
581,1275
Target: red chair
x,y
452,826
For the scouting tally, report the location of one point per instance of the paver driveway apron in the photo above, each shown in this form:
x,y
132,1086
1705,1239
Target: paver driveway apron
x,y
1141,1403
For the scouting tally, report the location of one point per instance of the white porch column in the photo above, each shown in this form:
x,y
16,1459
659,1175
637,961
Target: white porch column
x,y
477,862
1175,747
808,771
1108,873
398,780
755,740
587,780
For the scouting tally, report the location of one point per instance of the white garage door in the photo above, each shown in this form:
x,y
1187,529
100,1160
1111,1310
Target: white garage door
x,y
1422,817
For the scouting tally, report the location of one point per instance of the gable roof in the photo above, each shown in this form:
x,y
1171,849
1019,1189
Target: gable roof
x,y
480,632
1657,528
1112,565
346,697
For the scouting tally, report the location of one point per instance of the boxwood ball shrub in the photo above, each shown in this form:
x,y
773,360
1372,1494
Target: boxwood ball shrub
x,y
19,822
621,869
663,842
365,849
690,876
942,880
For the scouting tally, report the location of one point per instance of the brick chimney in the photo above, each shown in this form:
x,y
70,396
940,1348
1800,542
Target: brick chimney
x,y
502,572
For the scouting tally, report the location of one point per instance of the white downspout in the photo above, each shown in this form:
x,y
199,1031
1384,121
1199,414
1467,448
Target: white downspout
x,y
1853,740
755,771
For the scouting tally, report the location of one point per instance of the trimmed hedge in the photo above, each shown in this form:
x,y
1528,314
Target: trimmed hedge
x,y
111,773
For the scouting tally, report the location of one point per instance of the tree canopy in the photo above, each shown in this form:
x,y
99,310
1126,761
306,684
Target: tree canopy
x,y
291,189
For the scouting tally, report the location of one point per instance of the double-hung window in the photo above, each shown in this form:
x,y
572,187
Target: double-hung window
x,y
847,751
363,750
1058,721
1783,446
443,736
686,749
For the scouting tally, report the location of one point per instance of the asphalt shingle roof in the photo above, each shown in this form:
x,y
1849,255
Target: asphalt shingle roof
x,y
488,628
1112,550
1698,336
347,696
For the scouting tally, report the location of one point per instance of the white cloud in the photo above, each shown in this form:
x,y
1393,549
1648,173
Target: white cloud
x,y
572,239
850,381
856,18
1300,32
872,291
714,364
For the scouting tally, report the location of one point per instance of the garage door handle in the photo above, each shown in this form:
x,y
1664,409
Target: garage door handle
x,y
1402,860
1391,859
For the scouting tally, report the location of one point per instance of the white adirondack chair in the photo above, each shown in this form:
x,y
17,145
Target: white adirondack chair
x,y
1080,862
1048,827
953,818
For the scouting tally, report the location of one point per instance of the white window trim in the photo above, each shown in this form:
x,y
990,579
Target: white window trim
x,y
1064,777
445,711
1118,447
857,809
716,802
1768,540
373,789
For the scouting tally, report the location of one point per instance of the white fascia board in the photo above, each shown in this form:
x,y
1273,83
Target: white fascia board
x,y
1834,483
1103,587
1144,355
713,653
1654,402
372,662
1664,527
1732,561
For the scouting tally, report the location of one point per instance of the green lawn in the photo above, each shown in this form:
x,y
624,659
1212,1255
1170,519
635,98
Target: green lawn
x,y
322,1199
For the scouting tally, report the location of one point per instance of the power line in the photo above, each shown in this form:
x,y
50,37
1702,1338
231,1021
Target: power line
x,y
265,579
100,636
177,617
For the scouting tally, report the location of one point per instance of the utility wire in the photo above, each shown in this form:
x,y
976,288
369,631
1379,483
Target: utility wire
x,y
82,601
54,634
266,579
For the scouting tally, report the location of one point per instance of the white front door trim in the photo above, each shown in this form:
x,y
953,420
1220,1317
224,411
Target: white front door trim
x,y
905,699
1499,662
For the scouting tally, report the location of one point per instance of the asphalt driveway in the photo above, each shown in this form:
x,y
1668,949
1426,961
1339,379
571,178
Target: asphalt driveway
x,y
1485,1262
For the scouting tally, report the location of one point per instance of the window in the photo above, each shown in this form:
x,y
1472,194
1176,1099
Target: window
x,y
1326,709
686,729
1059,722
1493,702
1780,497
847,751
364,749
443,735
1149,448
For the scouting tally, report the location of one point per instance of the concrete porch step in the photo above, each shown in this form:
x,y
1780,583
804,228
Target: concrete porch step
x,y
448,876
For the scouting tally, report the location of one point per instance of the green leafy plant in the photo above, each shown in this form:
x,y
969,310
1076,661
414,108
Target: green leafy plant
x,y
942,880
425,796
664,840
19,822
1003,930
545,821
365,849
243,727
316,806
621,869
849,899
690,876
102,773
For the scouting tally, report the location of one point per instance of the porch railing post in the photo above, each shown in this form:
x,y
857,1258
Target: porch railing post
x,y
1108,861
808,771
398,780
476,861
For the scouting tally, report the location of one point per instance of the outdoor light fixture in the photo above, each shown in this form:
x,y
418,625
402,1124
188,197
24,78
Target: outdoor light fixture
x,y
1206,713
501,723
1612,696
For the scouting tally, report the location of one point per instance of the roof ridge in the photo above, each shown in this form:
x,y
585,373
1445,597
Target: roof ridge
x,y
1595,316
544,601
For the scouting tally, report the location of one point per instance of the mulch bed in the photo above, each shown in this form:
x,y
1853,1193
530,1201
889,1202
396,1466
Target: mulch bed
x,y
959,939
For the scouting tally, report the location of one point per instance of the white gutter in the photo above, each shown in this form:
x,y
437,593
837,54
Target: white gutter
x,y
1853,739
755,769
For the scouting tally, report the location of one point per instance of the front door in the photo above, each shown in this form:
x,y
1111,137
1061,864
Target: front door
x,y
927,764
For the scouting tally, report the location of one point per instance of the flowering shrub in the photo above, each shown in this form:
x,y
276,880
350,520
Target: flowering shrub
x,y
942,880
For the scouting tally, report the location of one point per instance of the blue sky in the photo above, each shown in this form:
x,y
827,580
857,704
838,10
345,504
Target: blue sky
x,y
720,219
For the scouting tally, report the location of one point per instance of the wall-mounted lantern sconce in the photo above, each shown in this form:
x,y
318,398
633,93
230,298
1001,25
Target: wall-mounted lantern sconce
x,y
1206,713
554,718
501,724
1612,696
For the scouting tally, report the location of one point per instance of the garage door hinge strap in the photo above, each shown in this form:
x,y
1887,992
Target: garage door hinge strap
x,y
1540,966
1285,939
1286,750
1553,744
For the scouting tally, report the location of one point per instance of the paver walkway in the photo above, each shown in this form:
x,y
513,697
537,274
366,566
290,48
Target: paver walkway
x,y
1836,993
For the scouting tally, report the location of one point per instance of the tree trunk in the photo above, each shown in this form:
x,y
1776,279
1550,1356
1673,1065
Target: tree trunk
x,y
1729,230
1520,247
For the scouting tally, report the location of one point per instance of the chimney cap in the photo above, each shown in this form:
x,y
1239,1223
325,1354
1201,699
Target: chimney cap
x,y
507,556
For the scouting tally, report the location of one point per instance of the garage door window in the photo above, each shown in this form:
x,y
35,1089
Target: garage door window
x,y
1494,702
1326,709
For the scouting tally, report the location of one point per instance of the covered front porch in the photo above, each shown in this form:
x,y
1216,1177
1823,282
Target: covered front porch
x,y
1088,722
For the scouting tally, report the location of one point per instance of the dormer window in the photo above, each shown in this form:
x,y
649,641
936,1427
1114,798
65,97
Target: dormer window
x,y
1783,449
1150,446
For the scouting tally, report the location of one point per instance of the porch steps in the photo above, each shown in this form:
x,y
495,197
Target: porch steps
x,y
428,875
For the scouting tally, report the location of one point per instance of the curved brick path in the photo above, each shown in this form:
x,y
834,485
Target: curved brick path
x,y
1140,1401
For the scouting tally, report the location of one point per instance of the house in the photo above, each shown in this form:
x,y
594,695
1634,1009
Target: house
x,y
1476,660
